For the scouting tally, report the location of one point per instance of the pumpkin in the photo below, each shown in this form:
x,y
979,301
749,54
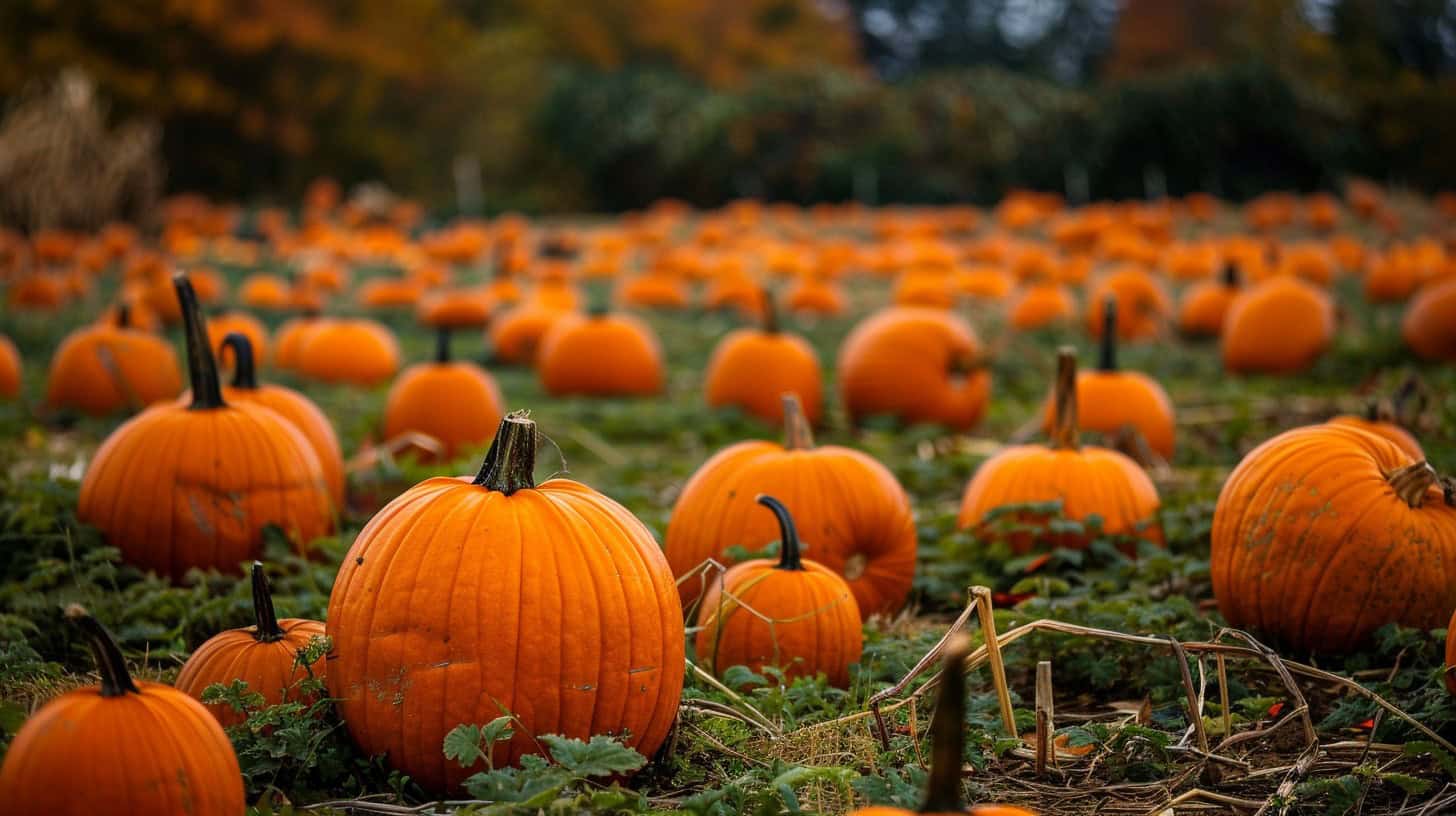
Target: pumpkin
x,y
214,474
797,615
221,325
753,368
390,293
357,352
292,406
1279,326
1205,305
264,655
458,404
737,292
857,513
516,335
289,339
1451,654
1390,278
1429,324
1110,400
1382,419
103,369
455,309
1040,306
10,368
944,793
122,746
600,355
1325,533
1311,261
815,295
550,602
1085,480
984,283
265,292
1142,304
920,288
917,364
556,293
653,290
39,291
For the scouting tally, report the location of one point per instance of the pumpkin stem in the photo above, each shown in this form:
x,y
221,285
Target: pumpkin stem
x,y
115,679
510,464
266,621
1064,399
947,732
1231,275
123,315
1108,359
1412,481
789,549
201,366
244,373
797,433
770,312
442,345
1380,410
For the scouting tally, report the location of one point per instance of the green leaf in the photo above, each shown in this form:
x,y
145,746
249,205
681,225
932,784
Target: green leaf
x,y
462,744
1441,755
1407,783
603,756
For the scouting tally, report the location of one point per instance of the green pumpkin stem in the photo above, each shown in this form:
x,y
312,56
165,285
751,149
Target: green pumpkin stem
x,y
201,365
1107,359
947,732
442,345
1413,481
770,311
264,618
1064,400
510,464
245,374
115,679
790,551
797,433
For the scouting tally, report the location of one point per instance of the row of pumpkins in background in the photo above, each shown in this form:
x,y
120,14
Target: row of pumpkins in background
x,y
467,595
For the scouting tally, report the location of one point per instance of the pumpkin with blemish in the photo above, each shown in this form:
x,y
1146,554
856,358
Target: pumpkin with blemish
x,y
107,368
916,364
1325,533
550,602
455,403
753,368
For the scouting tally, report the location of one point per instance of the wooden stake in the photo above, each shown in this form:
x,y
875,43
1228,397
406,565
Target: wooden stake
x,y
985,612
1045,752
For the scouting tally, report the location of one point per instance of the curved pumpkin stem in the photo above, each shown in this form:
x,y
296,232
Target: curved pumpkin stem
x,y
201,366
1107,361
770,311
510,464
1412,481
790,552
264,618
1231,276
244,373
1064,400
797,433
442,345
947,732
115,679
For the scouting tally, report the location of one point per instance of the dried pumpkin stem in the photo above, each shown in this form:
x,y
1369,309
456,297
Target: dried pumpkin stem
x,y
1107,360
510,464
797,433
115,679
442,345
947,732
1413,481
1064,399
245,374
201,366
265,619
789,549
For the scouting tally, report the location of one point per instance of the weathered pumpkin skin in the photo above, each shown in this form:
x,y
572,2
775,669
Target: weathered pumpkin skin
x,y
1312,546
903,361
459,600
849,507
1387,430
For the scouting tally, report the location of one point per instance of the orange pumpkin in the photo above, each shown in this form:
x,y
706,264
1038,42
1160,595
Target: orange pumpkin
x,y
390,293
10,368
289,339
1110,400
984,283
221,325
1279,326
146,745
515,336
600,355
103,369
457,404
930,289
551,601
1451,654
1310,261
39,291
753,368
917,364
853,506
264,655
357,352
1382,419
1429,324
1325,533
653,290
218,474
1142,304
265,292
797,614
1041,305
814,295
1205,305
1085,480
455,309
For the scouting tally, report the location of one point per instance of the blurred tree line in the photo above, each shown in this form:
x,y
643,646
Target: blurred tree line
x,y
575,104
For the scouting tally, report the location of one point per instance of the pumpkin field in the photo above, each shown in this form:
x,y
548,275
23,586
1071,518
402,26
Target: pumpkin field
x,y
1121,508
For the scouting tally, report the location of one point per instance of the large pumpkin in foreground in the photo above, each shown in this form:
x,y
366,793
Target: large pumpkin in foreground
x,y
464,599
1325,533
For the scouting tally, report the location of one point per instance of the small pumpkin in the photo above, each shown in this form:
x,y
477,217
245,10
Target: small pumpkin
x,y
1279,326
265,292
455,309
289,339
103,369
1142,304
357,352
456,403
264,655
390,293
852,505
515,336
11,368
811,294
1085,480
1429,324
147,745
653,290
1205,305
225,323
753,368
916,364
551,601
797,614
1041,305
600,355
1325,533
215,474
